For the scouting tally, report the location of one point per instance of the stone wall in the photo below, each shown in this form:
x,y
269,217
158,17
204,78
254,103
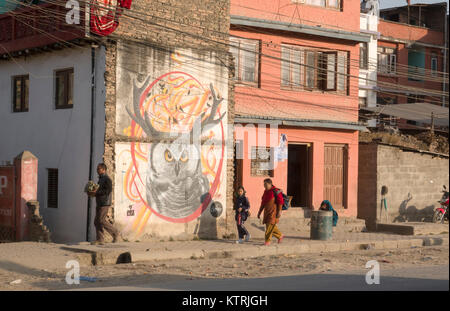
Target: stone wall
x,y
152,39
414,181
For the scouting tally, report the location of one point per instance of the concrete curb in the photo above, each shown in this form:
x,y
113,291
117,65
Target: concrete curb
x,y
108,257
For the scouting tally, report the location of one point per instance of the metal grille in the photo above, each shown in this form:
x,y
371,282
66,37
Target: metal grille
x,y
52,188
6,234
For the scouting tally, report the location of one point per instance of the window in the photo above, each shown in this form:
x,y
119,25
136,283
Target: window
x,y
291,69
313,69
246,57
363,56
416,65
52,188
362,102
386,100
434,64
333,4
387,60
20,93
64,88
261,164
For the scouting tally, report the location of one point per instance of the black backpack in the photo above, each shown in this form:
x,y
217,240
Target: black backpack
x,y
285,198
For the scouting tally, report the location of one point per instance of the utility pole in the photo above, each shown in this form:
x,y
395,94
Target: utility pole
x,y
432,128
409,19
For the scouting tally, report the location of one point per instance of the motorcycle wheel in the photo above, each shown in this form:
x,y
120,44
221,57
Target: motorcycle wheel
x,y
438,217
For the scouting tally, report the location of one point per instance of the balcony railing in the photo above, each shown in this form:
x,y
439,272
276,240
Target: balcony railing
x,y
36,26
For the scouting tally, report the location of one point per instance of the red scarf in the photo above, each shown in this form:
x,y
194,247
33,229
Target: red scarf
x,y
267,196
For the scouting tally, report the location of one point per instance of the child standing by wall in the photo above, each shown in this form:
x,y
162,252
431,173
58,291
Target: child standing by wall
x,y
242,210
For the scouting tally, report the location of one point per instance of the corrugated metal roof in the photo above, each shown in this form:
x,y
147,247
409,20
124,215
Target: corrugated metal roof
x,y
419,112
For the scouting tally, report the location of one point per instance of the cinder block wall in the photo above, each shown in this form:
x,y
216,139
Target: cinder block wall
x,y
172,24
414,182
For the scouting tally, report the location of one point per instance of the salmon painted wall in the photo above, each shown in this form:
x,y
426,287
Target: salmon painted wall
x,y
311,104
318,138
291,12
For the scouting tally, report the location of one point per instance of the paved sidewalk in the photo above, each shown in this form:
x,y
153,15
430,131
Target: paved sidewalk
x,y
51,256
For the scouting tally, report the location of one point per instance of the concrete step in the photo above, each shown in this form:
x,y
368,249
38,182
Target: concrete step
x,y
290,225
98,257
413,228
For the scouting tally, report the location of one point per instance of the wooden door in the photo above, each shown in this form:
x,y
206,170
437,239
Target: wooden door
x,y
334,175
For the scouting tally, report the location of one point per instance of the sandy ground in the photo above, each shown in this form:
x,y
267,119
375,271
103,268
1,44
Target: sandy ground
x,y
190,269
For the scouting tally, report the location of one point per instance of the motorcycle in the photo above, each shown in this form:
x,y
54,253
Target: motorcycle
x,y
441,212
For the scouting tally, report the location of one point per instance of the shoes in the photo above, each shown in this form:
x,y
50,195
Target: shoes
x,y
266,243
117,239
239,241
247,237
281,239
97,243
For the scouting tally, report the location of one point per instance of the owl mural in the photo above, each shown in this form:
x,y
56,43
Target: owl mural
x,y
176,186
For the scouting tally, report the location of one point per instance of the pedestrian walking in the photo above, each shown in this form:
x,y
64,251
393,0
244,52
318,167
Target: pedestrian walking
x,y
103,200
242,212
271,203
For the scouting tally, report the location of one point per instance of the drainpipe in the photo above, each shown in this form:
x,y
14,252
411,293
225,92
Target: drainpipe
x,y
91,147
444,85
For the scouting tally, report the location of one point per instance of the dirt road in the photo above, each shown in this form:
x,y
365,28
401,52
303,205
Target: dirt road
x,y
195,269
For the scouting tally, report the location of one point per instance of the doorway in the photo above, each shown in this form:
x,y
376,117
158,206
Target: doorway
x,y
335,178
238,164
299,174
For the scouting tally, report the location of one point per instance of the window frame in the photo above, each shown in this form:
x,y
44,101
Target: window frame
x,y
24,96
319,69
68,87
52,202
325,73
254,161
326,6
391,64
239,60
434,59
364,62
291,67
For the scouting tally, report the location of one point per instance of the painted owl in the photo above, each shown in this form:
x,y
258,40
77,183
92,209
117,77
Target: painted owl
x,y
175,183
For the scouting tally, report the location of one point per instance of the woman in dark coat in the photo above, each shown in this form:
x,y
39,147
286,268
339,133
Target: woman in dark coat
x,y
241,208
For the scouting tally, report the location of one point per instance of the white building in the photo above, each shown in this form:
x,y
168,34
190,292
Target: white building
x,y
368,56
45,107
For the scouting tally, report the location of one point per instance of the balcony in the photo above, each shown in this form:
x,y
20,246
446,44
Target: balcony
x,y
39,27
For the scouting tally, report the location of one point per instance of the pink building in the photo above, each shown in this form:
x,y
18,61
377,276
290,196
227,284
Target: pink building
x,y
296,73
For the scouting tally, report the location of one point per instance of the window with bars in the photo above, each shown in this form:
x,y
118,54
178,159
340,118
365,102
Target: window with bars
x,y
20,93
52,188
261,162
332,4
387,60
64,88
246,60
308,69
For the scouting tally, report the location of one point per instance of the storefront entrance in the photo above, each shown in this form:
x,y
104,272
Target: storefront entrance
x,y
299,174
